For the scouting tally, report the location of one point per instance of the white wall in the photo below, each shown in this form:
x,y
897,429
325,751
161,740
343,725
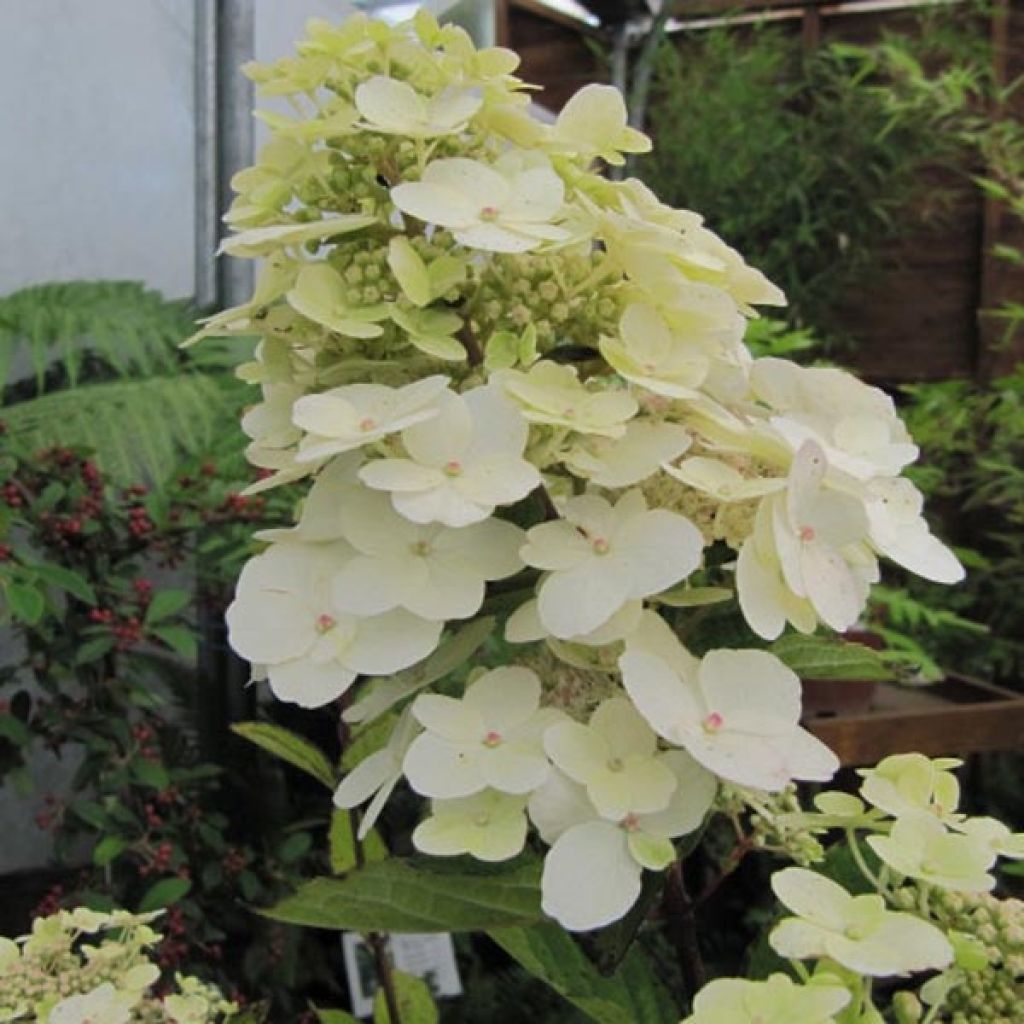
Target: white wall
x,y
97,154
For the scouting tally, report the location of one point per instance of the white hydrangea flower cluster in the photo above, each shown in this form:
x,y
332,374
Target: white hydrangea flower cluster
x,y
487,356
84,967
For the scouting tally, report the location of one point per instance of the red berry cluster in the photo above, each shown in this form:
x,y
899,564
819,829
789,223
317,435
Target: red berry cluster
x,y
173,949
12,495
127,632
234,861
139,523
50,903
159,862
145,736
5,552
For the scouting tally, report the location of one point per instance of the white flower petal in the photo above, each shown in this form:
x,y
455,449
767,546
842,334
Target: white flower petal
x,y
590,877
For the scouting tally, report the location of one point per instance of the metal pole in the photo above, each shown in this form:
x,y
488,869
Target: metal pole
x,y
224,141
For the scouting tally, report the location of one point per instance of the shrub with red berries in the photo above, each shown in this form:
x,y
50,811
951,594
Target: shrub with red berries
x,y
109,646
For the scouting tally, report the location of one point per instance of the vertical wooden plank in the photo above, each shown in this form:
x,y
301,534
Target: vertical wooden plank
x,y
1000,281
502,32
810,31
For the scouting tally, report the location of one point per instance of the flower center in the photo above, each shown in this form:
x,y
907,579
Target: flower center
x,y
420,547
615,764
453,468
492,739
325,623
489,213
713,723
856,932
367,424
482,820
600,545
807,533
631,823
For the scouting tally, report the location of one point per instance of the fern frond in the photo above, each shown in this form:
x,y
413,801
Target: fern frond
x,y
126,328
138,428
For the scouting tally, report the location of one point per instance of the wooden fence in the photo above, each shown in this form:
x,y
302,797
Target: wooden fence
x,y
923,318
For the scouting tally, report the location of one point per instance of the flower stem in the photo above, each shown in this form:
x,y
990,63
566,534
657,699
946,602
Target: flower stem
x,y
382,966
682,929
859,860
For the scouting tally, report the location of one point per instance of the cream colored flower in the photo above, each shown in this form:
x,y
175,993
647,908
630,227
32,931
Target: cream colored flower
x,y
593,124
599,557
489,825
396,108
857,932
504,208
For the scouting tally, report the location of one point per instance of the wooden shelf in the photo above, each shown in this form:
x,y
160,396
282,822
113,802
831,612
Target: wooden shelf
x,y
955,717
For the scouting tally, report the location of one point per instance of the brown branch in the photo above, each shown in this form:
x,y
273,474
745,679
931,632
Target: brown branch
x,y
731,863
474,353
682,929
382,966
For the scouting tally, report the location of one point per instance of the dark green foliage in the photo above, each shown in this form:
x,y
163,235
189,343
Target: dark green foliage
x,y
808,162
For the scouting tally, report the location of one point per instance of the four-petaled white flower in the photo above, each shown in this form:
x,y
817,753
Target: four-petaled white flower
x,y
492,737
505,208
600,556
857,932
622,462
648,353
778,1000
919,846
594,124
354,415
103,1005
737,714
461,464
615,758
396,108
433,571
284,621
806,554
856,424
592,873
554,394
489,825
908,784
376,776
898,530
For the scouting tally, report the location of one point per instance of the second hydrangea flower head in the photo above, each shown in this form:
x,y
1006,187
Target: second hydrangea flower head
x,y
521,389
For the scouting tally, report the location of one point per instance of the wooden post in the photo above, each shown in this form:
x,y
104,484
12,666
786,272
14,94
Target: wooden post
x,y
1000,280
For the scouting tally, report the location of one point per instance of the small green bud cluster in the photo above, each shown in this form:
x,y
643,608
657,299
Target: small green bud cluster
x,y
995,994
770,828
731,521
550,292
362,263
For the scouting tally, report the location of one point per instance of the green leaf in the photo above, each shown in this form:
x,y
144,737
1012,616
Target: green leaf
x,y
166,603
65,579
26,602
180,639
342,843
93,649
384,692
415,1003
813,657
334,1016
295,847
107,849
14,729
163,894
289,747
633,995
91,813
151,773
405,896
